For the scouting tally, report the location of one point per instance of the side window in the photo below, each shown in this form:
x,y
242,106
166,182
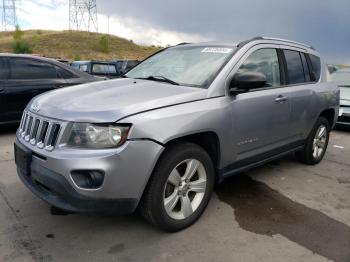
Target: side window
x,y
306,68
65,73
104,69
264,61
23,68
295,69
3,69
316,66
83,68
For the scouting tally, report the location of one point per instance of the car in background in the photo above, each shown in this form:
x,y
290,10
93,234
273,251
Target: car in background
x,y
342,78
332,68
98,68
125,65
24,76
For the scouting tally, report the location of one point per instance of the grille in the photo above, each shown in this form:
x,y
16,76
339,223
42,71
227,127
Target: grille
x,y
38,131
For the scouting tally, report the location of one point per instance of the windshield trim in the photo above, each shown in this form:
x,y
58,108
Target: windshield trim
x,y
210,81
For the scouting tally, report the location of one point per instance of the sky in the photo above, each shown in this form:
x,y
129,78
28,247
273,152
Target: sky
x,y
324,24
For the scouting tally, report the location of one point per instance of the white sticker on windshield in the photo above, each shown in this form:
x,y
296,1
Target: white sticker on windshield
x,y
220,50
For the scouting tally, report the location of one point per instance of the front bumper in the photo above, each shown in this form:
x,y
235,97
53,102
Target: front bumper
x,y
344,116
127,170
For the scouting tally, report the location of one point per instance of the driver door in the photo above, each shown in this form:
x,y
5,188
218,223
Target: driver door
x,y
261,117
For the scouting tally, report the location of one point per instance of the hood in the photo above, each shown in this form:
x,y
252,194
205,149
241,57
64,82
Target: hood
x,y
109,101
345,96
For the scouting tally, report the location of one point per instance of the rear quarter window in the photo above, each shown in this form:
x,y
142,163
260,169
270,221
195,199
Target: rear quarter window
x,y
65,73
316,66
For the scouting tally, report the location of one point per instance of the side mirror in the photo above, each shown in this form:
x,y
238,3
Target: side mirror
x,y
242,82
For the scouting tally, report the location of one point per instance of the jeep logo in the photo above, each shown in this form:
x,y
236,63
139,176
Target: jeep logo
x,y
35,107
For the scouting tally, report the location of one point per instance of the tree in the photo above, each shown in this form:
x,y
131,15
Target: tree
x,y
19,46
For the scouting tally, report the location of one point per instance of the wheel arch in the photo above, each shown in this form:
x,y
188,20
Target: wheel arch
x,y
329,114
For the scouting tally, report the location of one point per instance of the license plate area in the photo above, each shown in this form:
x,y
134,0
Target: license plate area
x,y
23,159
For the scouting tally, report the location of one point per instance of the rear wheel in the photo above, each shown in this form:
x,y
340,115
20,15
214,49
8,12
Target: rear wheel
x,y
180,187
316,144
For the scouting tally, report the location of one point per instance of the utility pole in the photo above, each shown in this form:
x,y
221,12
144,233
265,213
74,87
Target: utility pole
x,y
8,14
83,15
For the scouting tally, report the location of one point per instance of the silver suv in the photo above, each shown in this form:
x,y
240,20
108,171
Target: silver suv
x,y
185,118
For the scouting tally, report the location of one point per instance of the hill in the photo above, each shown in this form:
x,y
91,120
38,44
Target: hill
x,y
77,45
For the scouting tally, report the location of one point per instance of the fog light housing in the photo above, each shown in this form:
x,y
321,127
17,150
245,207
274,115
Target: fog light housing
x,y
88,179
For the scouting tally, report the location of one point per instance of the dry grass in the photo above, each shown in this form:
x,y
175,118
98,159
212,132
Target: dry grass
x,y
77,45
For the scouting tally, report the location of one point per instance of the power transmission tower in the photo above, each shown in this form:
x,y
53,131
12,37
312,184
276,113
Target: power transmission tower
x,y
8,13
83,15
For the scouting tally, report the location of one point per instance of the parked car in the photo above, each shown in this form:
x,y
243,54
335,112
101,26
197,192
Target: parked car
x,y
183,119
342,78
23,76
98,68
124,66
332,68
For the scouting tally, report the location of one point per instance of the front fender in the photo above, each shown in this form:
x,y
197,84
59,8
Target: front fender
x,y
166,124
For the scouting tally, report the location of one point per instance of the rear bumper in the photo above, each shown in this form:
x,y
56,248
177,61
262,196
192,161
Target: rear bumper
x,y
344,116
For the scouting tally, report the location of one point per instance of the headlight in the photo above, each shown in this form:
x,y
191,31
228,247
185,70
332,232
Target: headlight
x,y
97,136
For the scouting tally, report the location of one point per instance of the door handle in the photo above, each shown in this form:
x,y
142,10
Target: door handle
x,y
281,98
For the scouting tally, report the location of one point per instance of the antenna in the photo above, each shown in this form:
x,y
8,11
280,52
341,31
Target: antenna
x,y
8,13
83,15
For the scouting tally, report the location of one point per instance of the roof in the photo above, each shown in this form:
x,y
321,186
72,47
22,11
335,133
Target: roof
x,y
242,43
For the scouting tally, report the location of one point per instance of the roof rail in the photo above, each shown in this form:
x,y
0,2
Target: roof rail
x,y
288,41
274,39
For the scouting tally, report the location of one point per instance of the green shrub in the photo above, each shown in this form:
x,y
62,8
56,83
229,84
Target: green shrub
x,y
21,47
103,44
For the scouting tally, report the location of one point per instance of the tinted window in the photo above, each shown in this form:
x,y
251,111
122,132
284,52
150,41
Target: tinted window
x,y
316,66
3,69
22,68
104,69
306,68
264,61
294,67
65,73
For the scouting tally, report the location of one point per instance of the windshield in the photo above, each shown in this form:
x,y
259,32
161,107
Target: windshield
x,y
342,78
189,66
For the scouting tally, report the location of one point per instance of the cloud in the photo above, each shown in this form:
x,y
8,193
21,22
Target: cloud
x,y
54,15
323,24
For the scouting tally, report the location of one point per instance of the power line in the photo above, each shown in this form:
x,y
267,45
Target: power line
x,y
8,14
83,15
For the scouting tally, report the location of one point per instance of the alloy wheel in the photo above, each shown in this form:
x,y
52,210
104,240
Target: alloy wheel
x,y
185,189
319,143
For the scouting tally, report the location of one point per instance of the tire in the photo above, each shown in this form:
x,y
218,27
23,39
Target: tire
x,y
308,155
168,185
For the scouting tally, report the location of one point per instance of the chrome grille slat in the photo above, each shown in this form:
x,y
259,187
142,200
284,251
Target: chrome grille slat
x,y
29,128
39,131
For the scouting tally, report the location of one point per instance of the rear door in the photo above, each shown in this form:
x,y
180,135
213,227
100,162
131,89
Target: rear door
x,y
28,77
3,79
301,81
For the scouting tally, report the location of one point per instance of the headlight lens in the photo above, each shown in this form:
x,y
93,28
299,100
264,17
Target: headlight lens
x,y
97,136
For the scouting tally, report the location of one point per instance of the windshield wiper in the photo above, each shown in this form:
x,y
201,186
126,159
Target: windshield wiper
x,y
160,79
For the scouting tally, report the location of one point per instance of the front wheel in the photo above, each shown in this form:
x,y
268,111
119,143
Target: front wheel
x,y
316,144
180,187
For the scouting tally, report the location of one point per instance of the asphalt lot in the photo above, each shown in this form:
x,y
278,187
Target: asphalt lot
x,y
283,211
